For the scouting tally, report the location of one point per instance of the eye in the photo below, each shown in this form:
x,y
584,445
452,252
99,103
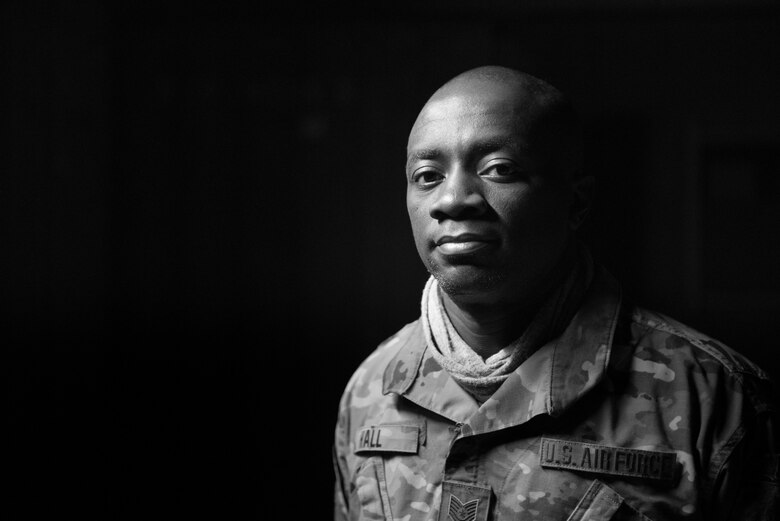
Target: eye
x,y
503,171
427,177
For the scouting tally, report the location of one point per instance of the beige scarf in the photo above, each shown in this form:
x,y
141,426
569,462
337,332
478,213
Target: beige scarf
x,y
481,378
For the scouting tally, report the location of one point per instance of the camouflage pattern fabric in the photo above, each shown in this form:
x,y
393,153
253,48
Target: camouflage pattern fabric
x,y
627,415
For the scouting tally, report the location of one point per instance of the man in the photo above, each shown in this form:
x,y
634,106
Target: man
x,y
530,388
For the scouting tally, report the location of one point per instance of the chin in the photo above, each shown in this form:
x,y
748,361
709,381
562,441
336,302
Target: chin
x,y
466,281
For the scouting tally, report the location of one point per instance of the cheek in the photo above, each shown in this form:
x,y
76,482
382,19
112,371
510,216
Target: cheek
x,y
536,219
412,206
417,220
417,208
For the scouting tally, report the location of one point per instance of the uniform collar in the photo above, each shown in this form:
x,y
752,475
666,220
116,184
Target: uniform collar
x,y
557,375
414,374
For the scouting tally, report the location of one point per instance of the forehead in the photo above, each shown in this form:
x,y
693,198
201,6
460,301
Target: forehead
x,y
461,119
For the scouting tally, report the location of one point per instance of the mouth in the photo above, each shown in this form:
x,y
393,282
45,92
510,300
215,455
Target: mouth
x,y
463,244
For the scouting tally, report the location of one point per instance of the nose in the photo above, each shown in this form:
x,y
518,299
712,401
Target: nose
x,y
459,197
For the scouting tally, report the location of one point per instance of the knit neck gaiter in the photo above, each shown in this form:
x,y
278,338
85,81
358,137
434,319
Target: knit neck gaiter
x,y
482,377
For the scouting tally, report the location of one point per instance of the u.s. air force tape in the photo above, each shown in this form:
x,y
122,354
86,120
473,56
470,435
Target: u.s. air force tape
x,y
388,438
604,459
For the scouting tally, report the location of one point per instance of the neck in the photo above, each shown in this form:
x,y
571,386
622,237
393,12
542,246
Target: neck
x,y
488,327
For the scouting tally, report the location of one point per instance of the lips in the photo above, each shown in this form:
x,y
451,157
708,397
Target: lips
x,y
464,243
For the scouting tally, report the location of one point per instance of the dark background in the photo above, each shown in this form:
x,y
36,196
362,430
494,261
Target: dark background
x,y
204,228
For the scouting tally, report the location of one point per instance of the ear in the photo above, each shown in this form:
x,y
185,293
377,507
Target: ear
x,y
583,190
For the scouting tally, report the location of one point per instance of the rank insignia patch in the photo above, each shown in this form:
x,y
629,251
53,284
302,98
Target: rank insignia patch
x,y
460,511
464,502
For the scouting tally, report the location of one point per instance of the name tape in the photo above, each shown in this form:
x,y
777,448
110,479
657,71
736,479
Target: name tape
x,y
388,438
604,459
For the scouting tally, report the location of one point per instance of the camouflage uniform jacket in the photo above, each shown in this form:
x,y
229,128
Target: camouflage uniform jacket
x,y
627,415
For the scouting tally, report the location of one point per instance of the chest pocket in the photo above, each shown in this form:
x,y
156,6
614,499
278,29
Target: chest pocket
x,y
376,444
369,498
601,503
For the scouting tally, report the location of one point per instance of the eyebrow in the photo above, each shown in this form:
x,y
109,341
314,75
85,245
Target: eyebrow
x,y
489,145
421,154
480,148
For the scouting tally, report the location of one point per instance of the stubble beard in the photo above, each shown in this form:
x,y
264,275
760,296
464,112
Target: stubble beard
x,y
467,282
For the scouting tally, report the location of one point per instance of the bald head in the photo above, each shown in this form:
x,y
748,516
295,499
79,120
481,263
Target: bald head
x,y
526,85
545,119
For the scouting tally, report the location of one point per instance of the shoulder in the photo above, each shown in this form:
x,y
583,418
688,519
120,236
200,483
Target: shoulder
x,y
366,381
695,360
674,334
363,396
719,397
